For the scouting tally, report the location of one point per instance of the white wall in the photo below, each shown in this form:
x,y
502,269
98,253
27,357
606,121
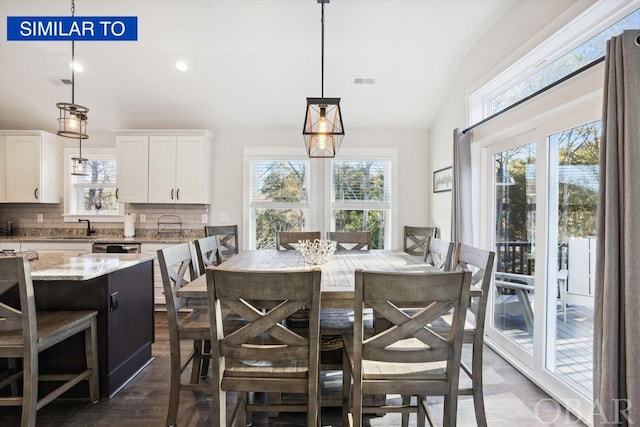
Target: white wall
x,y
413,170
523,27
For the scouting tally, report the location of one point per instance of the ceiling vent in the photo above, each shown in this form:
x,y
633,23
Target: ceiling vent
x,y
364,81
66,81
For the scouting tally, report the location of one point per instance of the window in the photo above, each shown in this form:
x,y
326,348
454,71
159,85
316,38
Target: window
x,y
285,192
94,194
576,45
279,198
361,197
571,61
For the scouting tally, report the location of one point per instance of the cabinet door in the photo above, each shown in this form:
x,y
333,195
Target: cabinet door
x,y
190,170
10,246
22,158
132,174
162,169
72,249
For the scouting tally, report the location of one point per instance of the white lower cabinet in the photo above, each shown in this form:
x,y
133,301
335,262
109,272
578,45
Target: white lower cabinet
x,y
158,289
10,246
70,248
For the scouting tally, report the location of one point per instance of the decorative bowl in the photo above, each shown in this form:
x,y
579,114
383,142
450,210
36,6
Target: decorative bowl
x,y
318,251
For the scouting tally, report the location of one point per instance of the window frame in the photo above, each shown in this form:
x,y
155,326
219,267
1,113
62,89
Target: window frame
x,y
358,155
594,20
92,153
319,187
277,154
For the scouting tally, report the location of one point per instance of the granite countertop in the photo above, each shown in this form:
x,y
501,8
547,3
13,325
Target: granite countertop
x,y
82,267
95,239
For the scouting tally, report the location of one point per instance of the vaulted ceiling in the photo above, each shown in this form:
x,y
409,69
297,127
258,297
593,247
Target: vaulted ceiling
x,y
252,63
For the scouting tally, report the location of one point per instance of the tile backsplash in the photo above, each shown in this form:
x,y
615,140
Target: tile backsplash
x,y
25,220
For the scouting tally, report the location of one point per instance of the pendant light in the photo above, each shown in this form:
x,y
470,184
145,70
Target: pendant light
x,y
323,129
79,164
72,119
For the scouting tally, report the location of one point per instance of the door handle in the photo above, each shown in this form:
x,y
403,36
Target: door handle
x,y
117,193
172,194
178,194
35,193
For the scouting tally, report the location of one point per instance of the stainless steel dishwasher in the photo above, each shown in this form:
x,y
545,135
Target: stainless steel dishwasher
x,y
117,248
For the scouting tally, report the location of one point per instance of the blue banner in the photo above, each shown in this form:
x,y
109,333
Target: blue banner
x,y
84,28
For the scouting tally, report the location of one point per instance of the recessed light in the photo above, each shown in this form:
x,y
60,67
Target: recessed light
x,y
77,67
181,66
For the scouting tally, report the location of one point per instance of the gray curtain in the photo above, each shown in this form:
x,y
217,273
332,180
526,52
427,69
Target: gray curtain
x,y
617,286
461,224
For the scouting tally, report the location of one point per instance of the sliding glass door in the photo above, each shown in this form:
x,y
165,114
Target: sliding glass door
x,y
542,188
573,198
515,213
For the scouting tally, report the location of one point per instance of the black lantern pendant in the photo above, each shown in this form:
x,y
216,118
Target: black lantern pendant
x,y
323,130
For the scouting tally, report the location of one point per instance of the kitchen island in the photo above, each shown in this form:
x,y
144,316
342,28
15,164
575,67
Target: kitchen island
x,y
120,288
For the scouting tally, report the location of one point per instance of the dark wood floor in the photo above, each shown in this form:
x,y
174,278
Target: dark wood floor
x,y
511,400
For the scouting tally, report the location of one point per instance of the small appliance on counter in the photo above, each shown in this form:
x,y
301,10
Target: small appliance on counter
x,y
129,225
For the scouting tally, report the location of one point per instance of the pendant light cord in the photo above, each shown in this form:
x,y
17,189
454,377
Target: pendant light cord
x,y
322,54
73,59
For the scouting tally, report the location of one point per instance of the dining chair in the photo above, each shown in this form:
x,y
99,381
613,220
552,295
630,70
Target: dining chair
x,y
350,240
288,240
415,239
438,253
25,333
177,269
264,354
480,263
227,239
206,254
407,357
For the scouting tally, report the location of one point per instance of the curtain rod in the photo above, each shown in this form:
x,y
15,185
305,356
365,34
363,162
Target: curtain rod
x,y
533,95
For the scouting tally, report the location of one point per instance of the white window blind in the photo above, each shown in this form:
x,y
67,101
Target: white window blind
x,y
360,183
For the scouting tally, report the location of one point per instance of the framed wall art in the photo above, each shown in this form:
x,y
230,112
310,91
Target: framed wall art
x,y
442,180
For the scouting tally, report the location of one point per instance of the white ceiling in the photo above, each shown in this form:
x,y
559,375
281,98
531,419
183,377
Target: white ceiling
x,y
252,63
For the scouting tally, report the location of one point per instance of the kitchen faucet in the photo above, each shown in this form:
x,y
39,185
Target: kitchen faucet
x,y
90,230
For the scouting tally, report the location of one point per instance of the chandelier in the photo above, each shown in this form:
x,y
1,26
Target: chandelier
x,y
72,119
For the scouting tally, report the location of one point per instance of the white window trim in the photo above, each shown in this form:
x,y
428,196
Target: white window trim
x,y
361,154
320,186
275,153
597,18
96,152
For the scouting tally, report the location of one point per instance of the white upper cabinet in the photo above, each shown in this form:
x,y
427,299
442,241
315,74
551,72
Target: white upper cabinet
x,y
179,169
172,166
31,169
132,173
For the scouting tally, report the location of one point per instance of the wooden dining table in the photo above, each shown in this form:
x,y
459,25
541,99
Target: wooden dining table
x,y
337,282
338,274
